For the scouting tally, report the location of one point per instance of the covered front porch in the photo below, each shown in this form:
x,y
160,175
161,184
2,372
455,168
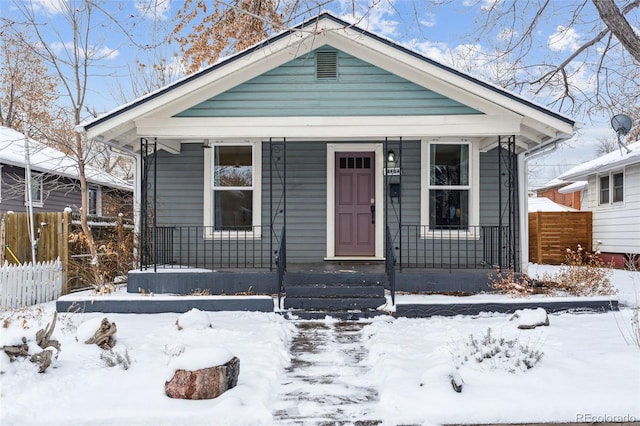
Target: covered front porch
x,y
296,241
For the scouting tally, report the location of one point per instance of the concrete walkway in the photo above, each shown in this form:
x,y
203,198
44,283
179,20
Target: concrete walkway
x,y
326,382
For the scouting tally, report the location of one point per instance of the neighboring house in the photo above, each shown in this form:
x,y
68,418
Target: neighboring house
x,y
327,146
613,197
54,180
566,193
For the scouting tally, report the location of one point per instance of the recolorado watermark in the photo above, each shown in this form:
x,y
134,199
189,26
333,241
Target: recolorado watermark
x,y
604,418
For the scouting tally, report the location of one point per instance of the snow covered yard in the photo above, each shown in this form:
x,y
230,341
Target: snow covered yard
x,y
587,371
79,389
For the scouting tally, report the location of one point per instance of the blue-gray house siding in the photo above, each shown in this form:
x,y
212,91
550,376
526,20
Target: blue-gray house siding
x,y
360,89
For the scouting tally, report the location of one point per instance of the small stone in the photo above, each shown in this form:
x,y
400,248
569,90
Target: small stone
x,y
206,383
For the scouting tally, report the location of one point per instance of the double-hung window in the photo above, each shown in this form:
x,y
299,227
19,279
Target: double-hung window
x,y
449,186
611,188
232,194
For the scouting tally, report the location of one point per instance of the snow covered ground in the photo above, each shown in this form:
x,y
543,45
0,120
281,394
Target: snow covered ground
x,y
588,371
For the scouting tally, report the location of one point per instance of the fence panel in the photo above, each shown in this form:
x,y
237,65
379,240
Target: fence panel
x,y
29,284
552,233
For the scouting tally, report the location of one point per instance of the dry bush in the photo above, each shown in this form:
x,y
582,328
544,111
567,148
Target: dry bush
x,y
115,247
512,283
583,274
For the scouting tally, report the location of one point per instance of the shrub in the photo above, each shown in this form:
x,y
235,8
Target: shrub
x,y
499,353
510,282
583,274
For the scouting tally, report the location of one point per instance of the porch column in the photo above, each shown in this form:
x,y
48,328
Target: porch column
x,y
507,168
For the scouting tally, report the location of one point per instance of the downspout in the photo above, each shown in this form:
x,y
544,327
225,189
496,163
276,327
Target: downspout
x,y
523,176
27,160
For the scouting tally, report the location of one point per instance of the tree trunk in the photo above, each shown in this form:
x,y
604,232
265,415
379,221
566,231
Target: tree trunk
x,y
619,26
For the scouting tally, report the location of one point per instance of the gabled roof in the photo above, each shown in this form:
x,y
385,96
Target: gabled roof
x,y
535,124
45,159
609,162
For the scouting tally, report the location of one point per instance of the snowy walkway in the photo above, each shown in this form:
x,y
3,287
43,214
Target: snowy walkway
x,y
327,380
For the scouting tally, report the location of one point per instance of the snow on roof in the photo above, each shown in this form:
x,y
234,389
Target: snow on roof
x,y
578,185
608,162
543,204
49,160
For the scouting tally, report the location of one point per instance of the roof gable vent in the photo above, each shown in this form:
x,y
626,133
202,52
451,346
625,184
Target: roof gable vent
x,y
327,65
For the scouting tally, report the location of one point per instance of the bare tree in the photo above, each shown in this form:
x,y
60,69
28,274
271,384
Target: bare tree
x,y
586,66
207,30
606,145
26,96
71,58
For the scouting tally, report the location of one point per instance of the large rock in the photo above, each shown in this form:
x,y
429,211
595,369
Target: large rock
x,y
206,383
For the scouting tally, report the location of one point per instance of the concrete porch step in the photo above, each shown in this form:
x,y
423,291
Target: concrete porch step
x,y
333,304
336,278
351,315
334,291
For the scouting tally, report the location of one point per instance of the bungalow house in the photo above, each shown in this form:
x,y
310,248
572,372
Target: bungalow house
x,y
54,179
613,196
327,148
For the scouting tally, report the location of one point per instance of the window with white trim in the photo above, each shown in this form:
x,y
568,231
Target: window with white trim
x,y
37,190
449,186
232,197
611,188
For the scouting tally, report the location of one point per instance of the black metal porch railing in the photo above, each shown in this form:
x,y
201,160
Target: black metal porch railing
x,y
468,247
281,263
210,248
390,264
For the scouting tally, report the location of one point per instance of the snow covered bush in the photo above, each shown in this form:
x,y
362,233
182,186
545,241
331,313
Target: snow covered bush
x,y
498,353
583,274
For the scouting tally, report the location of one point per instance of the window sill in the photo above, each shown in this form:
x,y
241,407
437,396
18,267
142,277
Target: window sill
x,y
38,204
232,236
445,234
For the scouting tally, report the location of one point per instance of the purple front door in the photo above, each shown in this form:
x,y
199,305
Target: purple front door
x,y
355,204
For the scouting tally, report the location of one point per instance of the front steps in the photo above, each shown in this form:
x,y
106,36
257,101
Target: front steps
x,y
341,295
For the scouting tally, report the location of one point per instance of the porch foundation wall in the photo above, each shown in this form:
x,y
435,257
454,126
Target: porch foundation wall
x,y
215,283
444,281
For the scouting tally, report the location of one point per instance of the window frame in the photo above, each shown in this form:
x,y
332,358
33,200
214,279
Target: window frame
x,y
98,199
38,178
473,188
210,188
611,188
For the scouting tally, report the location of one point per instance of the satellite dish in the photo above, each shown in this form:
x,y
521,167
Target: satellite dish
x,y
621,124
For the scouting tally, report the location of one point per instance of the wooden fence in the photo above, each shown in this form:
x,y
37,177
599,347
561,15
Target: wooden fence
x,y
552,233
59,236
28,284
51,232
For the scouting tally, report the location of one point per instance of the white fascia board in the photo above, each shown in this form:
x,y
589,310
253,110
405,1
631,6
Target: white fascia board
x,y
329,127
190,93
447,78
